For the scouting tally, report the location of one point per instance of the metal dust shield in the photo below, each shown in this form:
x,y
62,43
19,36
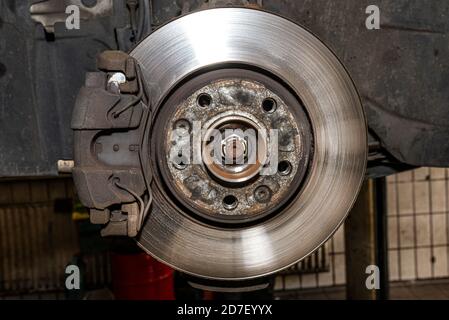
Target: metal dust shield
x,y
244,69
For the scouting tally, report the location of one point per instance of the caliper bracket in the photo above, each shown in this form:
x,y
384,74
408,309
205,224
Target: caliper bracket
x,y
110,122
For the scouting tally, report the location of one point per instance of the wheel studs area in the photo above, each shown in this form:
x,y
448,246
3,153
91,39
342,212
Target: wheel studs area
x,y
233,150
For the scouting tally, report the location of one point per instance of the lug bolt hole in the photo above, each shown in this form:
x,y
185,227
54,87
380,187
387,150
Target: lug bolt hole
x,y
204,100
230,202
180,163
269,105
284,168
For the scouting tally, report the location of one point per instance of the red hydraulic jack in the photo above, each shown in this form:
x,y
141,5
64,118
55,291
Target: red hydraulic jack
x,y
138,276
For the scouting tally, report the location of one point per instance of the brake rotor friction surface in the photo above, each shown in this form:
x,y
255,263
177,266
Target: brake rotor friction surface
x,y
216,37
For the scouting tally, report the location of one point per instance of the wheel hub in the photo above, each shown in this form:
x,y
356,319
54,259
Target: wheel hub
x,y
242,131
231,147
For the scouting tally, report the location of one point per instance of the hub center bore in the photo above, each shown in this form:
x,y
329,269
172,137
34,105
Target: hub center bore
x,y
234,148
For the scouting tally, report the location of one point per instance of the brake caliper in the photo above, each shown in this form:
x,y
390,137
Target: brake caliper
x,y
110,121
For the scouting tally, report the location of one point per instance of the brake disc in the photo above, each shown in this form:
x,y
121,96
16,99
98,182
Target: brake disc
x,y
231,143
244,68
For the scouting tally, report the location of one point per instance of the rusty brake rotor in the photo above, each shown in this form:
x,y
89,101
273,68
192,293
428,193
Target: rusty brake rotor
x,y
235,68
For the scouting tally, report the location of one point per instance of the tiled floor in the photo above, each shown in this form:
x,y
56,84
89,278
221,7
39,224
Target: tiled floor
x,y
418,224
418,233
415,290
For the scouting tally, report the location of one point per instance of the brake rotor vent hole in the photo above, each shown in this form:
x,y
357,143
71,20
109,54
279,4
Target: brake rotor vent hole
x,y
204,100
269,105
230,202
284,168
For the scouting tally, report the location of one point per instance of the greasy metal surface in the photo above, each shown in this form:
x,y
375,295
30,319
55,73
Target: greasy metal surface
x,y
234,101
50,12
39,80
314,73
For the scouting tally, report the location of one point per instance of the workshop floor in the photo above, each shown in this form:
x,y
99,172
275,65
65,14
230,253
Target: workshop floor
x,y
422,290
414,290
